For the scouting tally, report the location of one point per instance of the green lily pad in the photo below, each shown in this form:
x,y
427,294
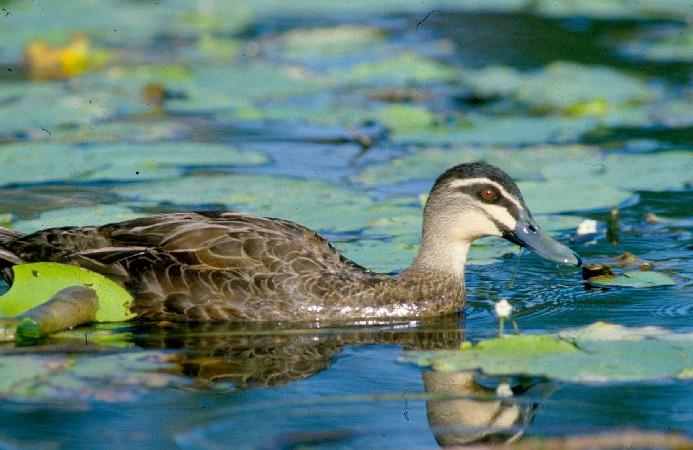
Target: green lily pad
x,y
582,355
634,279
316,204
558,195
685,374
19,111
75,217
152,129
403,69
404,118
258,81
36,283
561,86
648,172
504,130
330,41
36,162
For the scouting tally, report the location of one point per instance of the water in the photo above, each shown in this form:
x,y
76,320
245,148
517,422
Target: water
x,y
306,386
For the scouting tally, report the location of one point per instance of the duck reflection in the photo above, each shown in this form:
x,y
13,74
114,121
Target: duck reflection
x,y
470,410
462,408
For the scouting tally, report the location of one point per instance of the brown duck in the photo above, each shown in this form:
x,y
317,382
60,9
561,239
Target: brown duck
x,y
232,266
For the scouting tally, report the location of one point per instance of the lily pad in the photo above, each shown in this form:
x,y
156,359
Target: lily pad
x,y
634,279
648,172
583,355
74,217
558,195
36,283
330,41
20,115
36,162
316,204
403,69
505,130
561,86
258,81
403,118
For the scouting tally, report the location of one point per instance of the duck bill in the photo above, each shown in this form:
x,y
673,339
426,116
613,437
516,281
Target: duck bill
x,y
528,234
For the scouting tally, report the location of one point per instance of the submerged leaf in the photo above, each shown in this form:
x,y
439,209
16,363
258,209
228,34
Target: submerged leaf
x,y
36,283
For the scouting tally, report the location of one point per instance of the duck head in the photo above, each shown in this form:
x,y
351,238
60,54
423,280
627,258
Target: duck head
x,y
474,200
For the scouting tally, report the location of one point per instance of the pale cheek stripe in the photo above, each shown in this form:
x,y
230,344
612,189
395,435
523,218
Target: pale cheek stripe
x,y
501,189
500,215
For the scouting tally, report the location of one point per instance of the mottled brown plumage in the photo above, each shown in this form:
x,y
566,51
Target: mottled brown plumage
x,y
232,266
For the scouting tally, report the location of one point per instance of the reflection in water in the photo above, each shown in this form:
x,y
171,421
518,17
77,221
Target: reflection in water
x,y
469,412
461,408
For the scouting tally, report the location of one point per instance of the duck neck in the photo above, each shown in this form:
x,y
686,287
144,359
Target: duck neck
x,y
440,250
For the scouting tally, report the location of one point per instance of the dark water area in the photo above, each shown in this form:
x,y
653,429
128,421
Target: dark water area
x,y
344,129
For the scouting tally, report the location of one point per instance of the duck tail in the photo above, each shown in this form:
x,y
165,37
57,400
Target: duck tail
x,y
7,256
7,235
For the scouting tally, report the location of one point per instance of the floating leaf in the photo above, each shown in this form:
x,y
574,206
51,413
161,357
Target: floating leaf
x,y
316,204
652,171
582,355
257,81
561,195
685,374
505,130
562,86
330,41
74,217
19,113
36,283
405,118
34,162
634,279
402,69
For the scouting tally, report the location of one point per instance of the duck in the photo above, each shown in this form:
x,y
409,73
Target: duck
x,y
230,266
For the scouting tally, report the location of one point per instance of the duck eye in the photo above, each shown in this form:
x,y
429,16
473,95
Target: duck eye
x,y
489,195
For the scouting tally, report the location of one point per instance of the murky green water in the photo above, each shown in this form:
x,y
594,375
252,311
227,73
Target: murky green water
x,y
267,108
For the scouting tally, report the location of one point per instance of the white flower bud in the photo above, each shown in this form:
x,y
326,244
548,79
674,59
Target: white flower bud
x,y
504,390
503,308
587,226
